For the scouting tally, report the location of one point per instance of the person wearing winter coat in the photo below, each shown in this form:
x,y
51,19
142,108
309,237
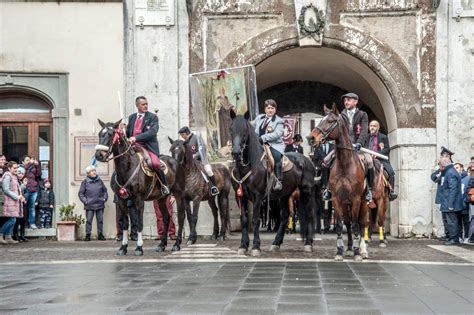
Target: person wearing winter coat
x,y
45,203
93,194
13,198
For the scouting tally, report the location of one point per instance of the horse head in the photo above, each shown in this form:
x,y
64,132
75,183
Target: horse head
x,y
240,133
327,129
177,150
108,136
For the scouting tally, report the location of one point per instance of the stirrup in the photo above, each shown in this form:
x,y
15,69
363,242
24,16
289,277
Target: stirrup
x,y
368,195
214,191
392,195
278,185
165,190
326,195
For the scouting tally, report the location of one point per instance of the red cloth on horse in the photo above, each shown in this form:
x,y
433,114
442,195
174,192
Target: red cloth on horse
x,y
159,218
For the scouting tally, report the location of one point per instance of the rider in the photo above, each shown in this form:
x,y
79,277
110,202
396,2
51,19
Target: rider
x,y
378,142
199,151
270,129
142,128
358,132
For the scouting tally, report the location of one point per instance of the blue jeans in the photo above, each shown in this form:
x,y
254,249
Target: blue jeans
x,y
7,228
31,207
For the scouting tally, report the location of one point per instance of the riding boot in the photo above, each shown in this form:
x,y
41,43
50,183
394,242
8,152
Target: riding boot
x,y
214,189
278,184
392,195
324,181
164,187
370,185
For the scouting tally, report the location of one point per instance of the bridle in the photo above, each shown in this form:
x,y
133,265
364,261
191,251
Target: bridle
x,y
325,134
240,155
119,137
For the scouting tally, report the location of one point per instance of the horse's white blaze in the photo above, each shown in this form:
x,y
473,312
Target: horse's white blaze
x,y
125,237
103,131
140,239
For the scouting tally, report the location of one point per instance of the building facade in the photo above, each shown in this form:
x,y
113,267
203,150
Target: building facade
x,y
410,61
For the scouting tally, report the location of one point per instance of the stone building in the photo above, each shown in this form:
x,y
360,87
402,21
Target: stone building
x,y
410,61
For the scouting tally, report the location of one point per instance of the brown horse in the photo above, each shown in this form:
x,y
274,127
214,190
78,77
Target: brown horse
x,y
131,182
346,182
197,190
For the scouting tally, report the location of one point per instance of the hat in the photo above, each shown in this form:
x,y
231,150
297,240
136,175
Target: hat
x,y
445,151
297,137
185,129
90,168
350,95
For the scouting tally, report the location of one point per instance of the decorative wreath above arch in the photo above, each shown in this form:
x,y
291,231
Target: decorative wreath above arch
x,y
311,27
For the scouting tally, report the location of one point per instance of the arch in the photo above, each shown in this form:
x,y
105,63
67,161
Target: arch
x,y
28,92
386,73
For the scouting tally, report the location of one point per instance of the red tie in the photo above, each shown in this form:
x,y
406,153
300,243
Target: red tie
x,y
137,128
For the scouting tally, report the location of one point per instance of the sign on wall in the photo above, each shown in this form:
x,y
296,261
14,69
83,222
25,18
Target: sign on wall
x,y
84,150
154,12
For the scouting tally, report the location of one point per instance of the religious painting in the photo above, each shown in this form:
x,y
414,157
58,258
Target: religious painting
x,y
214,96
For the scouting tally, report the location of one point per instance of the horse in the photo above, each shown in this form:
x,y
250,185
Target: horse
x,y
346,182
132,182
197,190
251,177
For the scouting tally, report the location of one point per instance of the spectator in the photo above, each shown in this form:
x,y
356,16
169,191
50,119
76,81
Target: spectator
x,y
93,195
3,161
159,219
33,175
122,220
12,203
20,225
45,203
296,145
469,191
450,198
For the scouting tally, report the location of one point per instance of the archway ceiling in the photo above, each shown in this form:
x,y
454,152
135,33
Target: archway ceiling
x,y
321,65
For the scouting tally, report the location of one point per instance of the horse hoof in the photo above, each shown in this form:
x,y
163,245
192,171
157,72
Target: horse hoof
x,y
121,252
160,249
176,248
221,238
256,252
190,242
138,251
382,244
357,258
274,248
242,251
213,237
338,258
365,255
308,248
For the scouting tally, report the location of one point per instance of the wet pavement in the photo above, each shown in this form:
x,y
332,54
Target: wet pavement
x,y
416,276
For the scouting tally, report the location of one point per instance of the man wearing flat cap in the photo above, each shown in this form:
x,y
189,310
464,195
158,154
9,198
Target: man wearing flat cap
x,y
199,151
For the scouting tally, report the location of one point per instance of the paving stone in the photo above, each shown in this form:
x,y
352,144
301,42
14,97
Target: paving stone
x,y
208,308
301,309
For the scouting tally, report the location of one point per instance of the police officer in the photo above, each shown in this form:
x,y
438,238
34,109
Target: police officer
x,y
269,129
199,151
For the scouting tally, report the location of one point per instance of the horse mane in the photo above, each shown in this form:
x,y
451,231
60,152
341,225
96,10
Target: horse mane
x,y
254,149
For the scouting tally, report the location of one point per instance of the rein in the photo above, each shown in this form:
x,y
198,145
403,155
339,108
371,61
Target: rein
x,y
329,130
118,137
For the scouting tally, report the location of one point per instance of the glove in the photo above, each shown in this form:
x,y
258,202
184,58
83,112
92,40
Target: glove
x,y
260,140
357,146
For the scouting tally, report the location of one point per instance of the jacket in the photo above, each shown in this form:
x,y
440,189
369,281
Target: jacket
x,y
275,137
381,138
147,137
93,193
33,174
198,148
45,198
291,148
450,195
12,192
359,131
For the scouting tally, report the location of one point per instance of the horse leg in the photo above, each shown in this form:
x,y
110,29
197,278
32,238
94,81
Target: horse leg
x,y
364,222
284,213
350,242
339,241
223,209
381,222
356,218
180,205
163,205
139,205
194,218
122,251
256,226
244,222
212,205
306,208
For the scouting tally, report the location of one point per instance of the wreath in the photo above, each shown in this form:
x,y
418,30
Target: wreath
x,y
314,27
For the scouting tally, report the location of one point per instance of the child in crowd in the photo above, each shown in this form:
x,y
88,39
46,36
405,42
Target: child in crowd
x,y
45,203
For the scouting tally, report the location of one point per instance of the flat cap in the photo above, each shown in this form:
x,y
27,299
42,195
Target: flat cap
x,y
184,129
446,151
350,95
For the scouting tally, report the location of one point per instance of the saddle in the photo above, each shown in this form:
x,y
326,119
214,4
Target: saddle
x,y
145,162
269,163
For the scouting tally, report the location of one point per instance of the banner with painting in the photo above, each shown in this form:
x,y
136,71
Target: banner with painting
x,y
214,95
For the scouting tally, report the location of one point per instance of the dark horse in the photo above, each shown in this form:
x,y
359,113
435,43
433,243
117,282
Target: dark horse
x,y
251,176
346,182
132,182
197,190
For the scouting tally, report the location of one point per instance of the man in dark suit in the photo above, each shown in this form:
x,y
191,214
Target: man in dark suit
x,y
142,128
378,142
296,145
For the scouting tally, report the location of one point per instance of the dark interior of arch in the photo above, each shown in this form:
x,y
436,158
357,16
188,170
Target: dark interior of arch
x,y
296,97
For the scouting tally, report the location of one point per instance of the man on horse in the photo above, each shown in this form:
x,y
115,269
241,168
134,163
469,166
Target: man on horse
x,y
199,151
269,129
378,142
142,128
358,123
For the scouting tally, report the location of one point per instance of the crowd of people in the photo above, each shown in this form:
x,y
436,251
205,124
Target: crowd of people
x,y
24,191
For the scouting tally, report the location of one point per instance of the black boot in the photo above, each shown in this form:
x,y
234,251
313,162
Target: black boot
x,y
214,189
370,184
392,194
278,184
164,187
324,182
87,238
101,237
